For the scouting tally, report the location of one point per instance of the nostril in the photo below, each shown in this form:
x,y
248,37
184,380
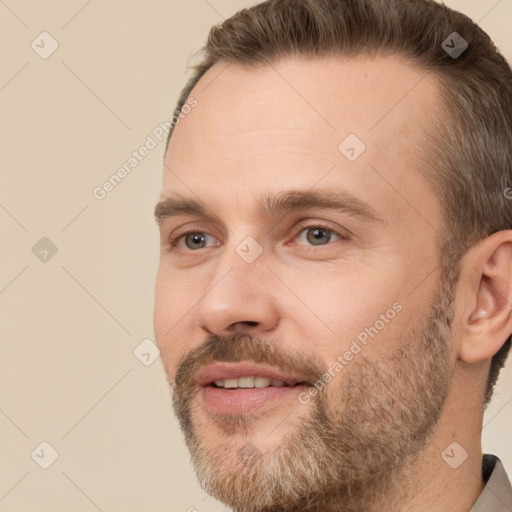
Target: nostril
x,y
242,325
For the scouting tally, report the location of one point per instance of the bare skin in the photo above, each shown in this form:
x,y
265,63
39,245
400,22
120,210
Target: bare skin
x,y
259,132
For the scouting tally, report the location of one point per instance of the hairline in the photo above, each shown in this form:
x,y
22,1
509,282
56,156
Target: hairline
x,y
451,244
199,71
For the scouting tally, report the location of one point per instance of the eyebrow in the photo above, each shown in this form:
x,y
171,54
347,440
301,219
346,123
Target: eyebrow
x,y
338,200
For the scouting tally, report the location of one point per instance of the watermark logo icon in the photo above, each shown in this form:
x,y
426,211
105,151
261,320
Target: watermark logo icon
x,y
44,250
249,455
44,455
352,147
44,45
454,455
455,45
146,352
249,249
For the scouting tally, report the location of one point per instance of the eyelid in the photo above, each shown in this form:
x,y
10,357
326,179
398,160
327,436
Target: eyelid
x,y
344,234
174,238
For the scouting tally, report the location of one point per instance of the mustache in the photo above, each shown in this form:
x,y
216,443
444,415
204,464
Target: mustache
x,y
238,348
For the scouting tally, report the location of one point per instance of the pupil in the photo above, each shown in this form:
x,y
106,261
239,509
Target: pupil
x,y
318,235
196,239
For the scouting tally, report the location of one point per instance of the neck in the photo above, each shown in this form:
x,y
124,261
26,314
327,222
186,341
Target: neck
x,y
431,484
447,474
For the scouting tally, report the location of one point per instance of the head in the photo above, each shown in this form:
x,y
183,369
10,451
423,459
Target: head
x,y
345,123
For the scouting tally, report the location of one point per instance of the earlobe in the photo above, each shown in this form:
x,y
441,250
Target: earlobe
x,y
486,275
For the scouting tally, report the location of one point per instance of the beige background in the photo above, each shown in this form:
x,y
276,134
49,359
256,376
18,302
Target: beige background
x,y
69,325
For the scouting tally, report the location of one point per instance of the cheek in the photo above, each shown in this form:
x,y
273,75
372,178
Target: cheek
x,y
173,322
342,304
352,310
175,295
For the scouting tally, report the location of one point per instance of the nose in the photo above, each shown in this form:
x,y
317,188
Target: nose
x,y
238,299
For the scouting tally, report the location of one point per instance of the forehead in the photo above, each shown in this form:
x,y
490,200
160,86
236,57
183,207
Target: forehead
x,y
288,124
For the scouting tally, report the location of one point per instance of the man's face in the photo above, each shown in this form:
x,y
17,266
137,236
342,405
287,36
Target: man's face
x,y
271,283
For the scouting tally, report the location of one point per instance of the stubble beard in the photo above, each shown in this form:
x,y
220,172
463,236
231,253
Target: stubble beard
x,y
363,430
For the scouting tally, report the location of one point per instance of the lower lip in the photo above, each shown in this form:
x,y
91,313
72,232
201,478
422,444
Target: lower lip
x,y
240,401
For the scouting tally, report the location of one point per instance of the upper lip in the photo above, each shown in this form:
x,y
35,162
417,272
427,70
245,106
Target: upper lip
x,y
222,371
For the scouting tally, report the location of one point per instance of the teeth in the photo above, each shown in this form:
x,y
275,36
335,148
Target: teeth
x,y
249,382
231,383
261,382
246,382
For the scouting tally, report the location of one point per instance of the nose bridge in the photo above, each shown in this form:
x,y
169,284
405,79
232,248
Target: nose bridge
x,y
241,263
237,294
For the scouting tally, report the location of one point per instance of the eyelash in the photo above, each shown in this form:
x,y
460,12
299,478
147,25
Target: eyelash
x,y
173,241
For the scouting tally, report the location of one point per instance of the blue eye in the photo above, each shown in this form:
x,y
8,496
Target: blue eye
x,y
312,235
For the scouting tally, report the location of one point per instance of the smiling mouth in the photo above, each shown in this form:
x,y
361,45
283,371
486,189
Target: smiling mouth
x,y
252,383
245,387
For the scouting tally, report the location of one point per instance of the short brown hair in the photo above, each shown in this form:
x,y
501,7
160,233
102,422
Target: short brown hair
x,y
467,159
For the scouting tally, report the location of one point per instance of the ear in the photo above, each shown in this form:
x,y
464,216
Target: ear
x,y
486,284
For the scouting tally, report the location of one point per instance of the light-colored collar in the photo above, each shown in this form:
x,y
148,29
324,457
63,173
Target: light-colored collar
x,y
497,493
